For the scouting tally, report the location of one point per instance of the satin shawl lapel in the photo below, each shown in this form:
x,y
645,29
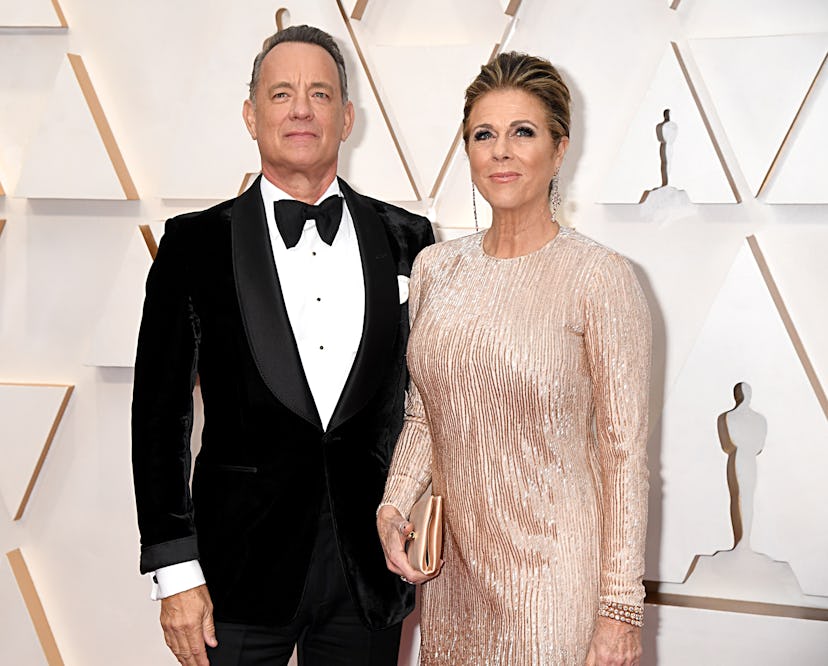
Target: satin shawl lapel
x,y
262,305
382,308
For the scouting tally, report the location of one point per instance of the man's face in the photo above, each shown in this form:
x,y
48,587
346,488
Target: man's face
x,y
298,118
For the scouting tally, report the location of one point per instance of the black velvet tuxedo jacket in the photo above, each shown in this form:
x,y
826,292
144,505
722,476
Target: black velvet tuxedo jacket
x,y
214,308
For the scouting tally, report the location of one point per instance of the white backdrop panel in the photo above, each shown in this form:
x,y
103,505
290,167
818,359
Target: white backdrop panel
x,y
20,642
758,84
66,158
426,109
26,417
28,13
797,255
714,18
676,636
800,175
743,340
115,337
694,165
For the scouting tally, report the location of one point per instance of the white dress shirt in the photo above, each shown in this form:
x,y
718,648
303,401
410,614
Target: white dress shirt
x,y
324,294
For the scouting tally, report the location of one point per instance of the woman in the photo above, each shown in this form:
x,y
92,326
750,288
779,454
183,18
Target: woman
x,y
529,357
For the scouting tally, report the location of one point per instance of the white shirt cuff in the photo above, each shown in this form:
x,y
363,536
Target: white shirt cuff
x,y
176,578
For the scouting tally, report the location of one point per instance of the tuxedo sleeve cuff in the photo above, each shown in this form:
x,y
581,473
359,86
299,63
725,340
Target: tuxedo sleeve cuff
x,y
176,578
169,552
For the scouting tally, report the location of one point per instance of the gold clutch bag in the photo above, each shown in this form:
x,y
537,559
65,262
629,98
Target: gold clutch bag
x,y
426,548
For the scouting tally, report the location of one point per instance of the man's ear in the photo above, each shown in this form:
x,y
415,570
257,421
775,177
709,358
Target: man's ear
x,y
349,120
249,115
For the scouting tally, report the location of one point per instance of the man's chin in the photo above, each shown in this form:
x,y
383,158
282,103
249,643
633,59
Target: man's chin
x,y
302,152
306,162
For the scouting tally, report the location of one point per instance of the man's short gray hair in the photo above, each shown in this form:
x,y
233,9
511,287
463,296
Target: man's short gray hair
x,y
305,34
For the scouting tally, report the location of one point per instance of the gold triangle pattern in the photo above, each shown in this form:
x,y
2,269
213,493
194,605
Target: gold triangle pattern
x,y
430,185
33,604
786,146
759,86
18,493
512,7
787,320
74,154
748,335
359,9
697,164
32,14
103,126
374,90
248,178
60,15
149,239
114,338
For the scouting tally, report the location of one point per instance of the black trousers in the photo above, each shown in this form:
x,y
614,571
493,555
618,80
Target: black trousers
x,y
327,630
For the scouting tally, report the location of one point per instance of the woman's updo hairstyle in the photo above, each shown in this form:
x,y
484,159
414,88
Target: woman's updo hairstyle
x,y
519,71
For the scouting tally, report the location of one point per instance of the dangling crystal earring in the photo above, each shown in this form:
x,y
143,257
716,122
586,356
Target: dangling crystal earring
x,y
554,197
474,208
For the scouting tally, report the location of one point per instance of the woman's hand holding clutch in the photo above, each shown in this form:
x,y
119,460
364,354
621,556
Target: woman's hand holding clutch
x,y
395,532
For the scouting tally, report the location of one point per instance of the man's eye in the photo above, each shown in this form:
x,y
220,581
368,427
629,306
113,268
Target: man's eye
x,y
280,95
320,94
482,135
524,131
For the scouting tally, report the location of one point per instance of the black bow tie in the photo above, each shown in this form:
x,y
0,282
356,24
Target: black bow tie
x,y
291,216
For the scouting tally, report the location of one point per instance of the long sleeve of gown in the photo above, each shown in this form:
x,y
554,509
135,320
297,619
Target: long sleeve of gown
x,y
410,471
618,343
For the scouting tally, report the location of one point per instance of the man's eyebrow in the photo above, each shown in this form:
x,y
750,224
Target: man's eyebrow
x,y
290,86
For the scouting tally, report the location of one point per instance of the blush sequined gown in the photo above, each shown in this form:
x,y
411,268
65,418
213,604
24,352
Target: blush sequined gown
x,y
528,412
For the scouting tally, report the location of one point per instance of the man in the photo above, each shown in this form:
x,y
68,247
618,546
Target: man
x,y
294,319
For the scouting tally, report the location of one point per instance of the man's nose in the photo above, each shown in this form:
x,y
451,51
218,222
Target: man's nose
x,y
301,107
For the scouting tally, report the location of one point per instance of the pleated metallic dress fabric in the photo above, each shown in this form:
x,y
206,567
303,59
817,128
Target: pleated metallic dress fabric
x,y
528,412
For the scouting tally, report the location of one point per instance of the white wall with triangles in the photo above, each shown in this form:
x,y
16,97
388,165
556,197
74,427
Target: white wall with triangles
x,y
741,79
115,337
742,18
799,174
15,618
28,413
758,85
31,14
743,339
408,52
694,165
68,157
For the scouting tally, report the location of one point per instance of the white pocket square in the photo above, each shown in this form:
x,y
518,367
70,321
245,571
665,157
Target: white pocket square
x,y
402,282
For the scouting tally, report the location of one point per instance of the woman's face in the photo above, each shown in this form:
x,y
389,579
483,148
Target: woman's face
x,y
511,151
